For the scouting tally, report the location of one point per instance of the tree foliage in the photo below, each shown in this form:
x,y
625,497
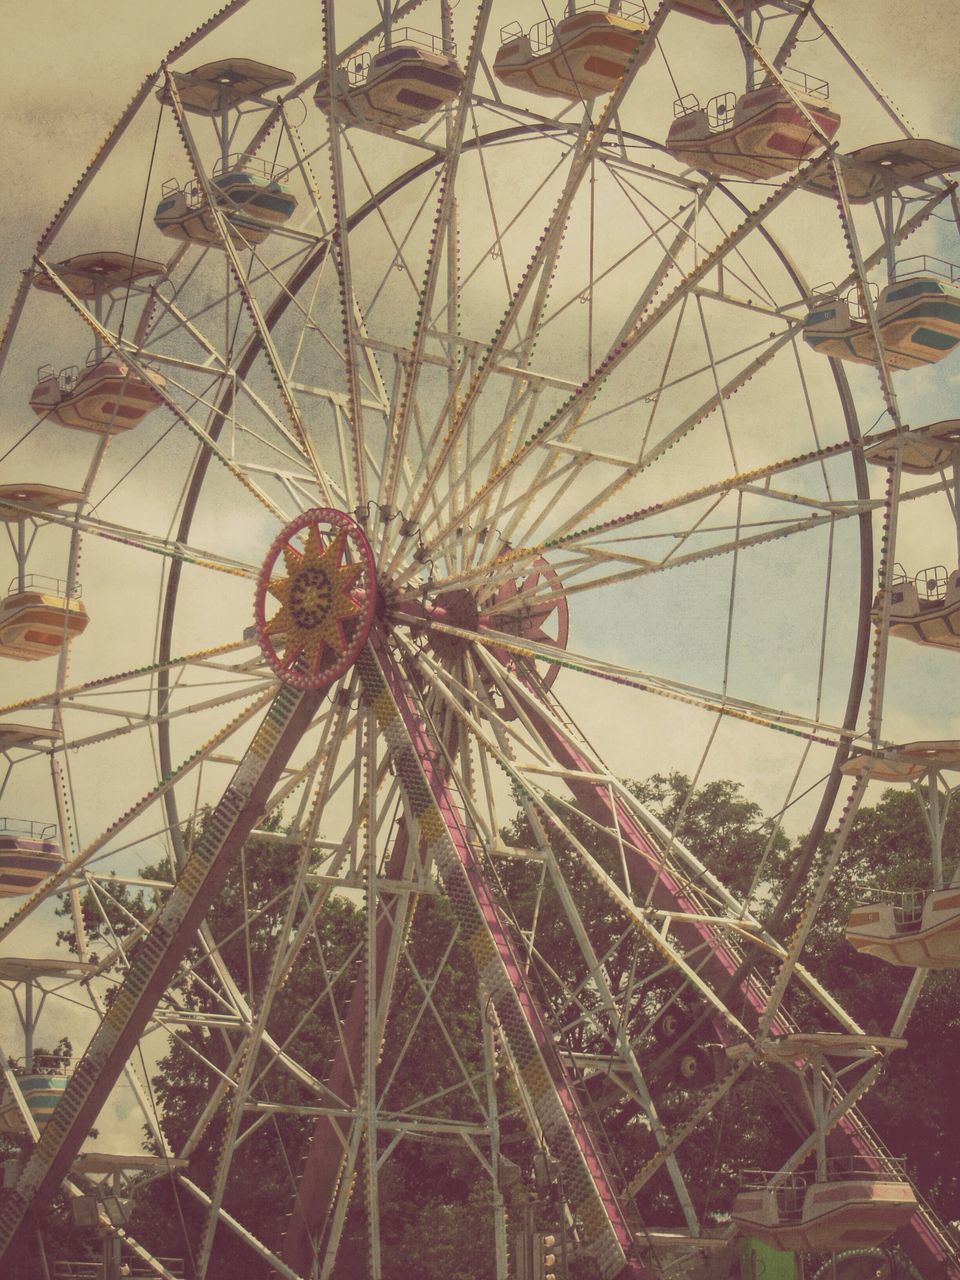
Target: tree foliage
x,y
434,1201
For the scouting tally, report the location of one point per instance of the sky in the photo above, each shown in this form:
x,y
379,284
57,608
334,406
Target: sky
x,y
68,72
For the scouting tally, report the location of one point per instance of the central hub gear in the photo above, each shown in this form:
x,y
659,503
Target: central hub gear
x,y
311,597
327,596
457,608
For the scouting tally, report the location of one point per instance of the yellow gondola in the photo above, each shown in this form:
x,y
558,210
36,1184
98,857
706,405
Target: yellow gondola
x,y
917,929
858,1204
36,617
926,607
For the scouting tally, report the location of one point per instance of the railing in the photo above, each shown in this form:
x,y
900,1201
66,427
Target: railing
x,y
856,304
28,827
132,1266
789,1191
542,35
45,1061
66,379
357,68
420,39
686,105
720,109
931,583
881,1167
95,357
40,582
192,193
239,160
760,1179
926,265
632,12
810,86
907,905
822,295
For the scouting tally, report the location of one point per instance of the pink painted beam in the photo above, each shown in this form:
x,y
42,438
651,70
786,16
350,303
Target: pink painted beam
x,y
540,1072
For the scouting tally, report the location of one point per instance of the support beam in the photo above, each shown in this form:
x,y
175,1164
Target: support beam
x,y
157,958
538,1070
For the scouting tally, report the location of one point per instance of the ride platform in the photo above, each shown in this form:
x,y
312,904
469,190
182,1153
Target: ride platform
x,y
401,86
709,10
20,501
923,451
92,275
216,87
917,929
871,172
760,134
26,736
580,57
918,320
908,762
811,1046
856,1206
106,397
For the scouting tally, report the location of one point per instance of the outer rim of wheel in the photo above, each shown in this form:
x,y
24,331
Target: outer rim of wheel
x,y
278,308
861,651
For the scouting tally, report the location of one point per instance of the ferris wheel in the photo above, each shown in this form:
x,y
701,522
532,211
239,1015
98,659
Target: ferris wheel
x,y
479,413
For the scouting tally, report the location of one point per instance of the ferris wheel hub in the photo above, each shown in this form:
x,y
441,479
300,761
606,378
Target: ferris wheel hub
x,y
457,608
320,570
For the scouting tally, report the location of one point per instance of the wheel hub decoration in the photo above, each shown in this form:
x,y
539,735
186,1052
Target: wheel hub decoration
x,y
327,598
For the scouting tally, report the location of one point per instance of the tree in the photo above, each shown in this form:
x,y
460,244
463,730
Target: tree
x,y
431,1199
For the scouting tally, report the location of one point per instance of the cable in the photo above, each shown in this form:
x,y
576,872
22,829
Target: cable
x,y
170,1172
18,443
143,209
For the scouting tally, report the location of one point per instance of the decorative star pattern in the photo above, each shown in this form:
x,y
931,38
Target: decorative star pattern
x,y
316,601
